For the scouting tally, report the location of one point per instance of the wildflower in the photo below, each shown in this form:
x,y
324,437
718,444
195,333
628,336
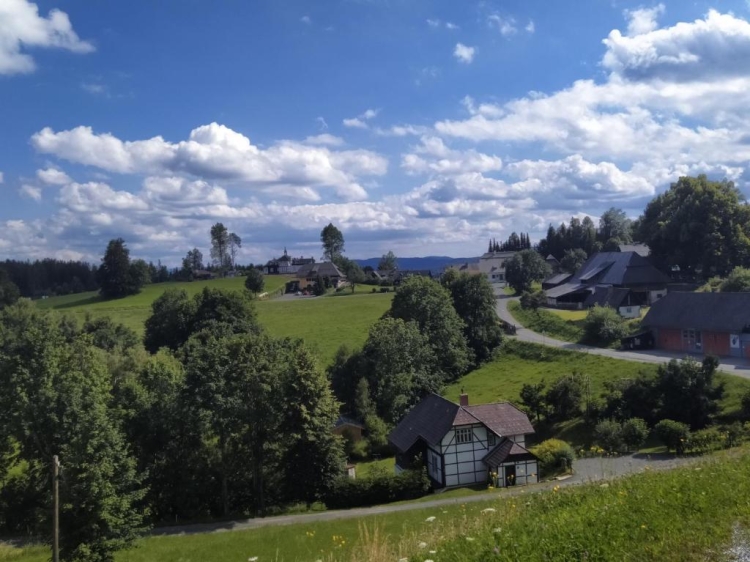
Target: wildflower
x,y
403,560
422,544
430,519
470,539
432,552
605,485
489,510
643,526
496,550
497,530
252,559
428,560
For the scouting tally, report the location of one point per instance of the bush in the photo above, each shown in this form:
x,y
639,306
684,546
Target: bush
x,y
675,435
533,300
604,326
634,433
608,434
735,435
374,290
360,450
554,456
706,440
380,488
385,289
746,405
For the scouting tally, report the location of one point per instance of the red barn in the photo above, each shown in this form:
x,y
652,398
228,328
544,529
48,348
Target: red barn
x,y
706,323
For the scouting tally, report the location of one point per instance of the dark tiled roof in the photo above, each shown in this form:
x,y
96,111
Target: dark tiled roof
x,y
507,450
434,416
716,312
620,268
566,289
323,269
429,420
491,255
551,259
607,295
501,417
557,279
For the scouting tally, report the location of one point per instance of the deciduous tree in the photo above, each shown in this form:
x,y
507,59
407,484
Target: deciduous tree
x,y
430,305
332,241
525,268
254,281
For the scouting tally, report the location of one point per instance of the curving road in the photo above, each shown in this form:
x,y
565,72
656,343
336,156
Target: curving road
x,y
732,366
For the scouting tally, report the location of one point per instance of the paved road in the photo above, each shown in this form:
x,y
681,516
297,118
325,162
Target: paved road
x,y
585,470
737,367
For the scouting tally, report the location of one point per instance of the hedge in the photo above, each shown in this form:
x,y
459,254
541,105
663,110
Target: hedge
x,y
382,488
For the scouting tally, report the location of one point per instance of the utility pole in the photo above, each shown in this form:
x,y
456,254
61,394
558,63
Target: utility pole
x,y
55,509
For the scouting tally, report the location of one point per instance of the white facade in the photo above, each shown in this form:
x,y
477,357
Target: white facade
x,y
462,458
493,265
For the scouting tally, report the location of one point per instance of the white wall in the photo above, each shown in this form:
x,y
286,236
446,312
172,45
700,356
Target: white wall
x,y
463,461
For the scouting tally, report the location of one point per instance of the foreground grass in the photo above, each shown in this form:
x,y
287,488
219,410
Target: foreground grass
x,y
683,514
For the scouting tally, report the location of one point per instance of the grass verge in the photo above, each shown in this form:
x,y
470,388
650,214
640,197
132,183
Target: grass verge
x,y
547,323
684,514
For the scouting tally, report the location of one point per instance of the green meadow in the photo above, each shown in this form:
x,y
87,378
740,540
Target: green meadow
x,y
519,363
324,323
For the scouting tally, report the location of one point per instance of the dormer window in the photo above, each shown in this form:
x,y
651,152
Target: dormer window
x,y
464,436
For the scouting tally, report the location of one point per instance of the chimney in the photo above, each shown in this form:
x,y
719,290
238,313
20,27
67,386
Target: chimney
x,y
463,400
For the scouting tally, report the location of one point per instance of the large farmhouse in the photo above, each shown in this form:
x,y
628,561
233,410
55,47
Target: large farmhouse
x,y
711,323
617,279
492,264
463,444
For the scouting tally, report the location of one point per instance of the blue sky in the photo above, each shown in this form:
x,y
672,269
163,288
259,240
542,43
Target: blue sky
x,y
421,127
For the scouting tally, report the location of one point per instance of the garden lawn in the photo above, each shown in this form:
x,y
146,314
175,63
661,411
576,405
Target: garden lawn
x,y
693,513
380,466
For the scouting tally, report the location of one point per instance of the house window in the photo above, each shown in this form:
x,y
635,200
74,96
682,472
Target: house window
x,y
491,440
464,436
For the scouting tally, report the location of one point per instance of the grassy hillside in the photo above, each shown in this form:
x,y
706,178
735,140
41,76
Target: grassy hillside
x,y
685,514
324,323
519,363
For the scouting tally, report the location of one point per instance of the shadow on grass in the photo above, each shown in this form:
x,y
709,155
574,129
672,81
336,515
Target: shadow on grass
x,y
85,302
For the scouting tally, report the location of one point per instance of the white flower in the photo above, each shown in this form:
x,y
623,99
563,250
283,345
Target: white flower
x,y
489,510
422,544
403,560
432,552
469,539
252,559
430,519
428,560
497,530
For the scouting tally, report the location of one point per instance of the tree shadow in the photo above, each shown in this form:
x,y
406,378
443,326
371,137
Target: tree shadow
x,y
74,304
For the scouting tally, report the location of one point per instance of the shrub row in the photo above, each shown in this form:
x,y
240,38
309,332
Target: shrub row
x,y
381,488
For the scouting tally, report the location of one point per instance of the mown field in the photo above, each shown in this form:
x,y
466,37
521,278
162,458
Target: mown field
x,y
324,323
693,513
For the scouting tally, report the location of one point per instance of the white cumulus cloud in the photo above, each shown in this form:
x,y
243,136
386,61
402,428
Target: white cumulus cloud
x,y
217,152
52,176
464,53
21,28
